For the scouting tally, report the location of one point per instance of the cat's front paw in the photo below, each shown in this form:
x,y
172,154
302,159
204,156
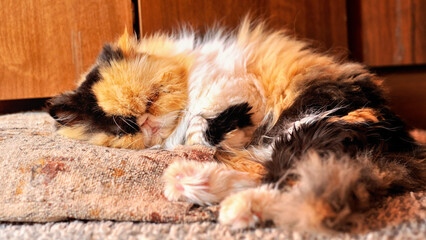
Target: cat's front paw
x,y
189,181
195,133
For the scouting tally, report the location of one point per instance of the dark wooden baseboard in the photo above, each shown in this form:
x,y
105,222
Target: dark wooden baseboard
x,y
13,106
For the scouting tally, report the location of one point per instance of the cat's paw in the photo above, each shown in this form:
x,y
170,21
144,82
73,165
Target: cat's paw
x,y
236,211
247,208
189,181
195,133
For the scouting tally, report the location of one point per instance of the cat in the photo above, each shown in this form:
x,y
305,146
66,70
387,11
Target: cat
x,y
301,139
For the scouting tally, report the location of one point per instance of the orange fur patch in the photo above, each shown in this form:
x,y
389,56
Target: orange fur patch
x,y
419,135
240,161
359,115
284,69
144,84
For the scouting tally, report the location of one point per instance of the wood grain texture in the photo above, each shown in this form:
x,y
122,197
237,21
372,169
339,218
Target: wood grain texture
x,y
388,32
323,21
167,15
46,44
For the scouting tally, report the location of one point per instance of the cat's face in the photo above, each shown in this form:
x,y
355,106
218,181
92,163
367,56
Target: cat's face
x,y
130,98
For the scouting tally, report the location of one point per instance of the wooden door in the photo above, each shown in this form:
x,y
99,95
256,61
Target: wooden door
x,y
46,44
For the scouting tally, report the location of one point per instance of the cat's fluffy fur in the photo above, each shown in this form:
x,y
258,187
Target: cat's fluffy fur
x,y
316,132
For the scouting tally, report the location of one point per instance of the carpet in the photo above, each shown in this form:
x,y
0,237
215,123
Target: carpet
x,y
199,230
48,178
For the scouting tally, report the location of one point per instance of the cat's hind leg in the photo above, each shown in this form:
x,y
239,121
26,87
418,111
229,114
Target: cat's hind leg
x,y
204,183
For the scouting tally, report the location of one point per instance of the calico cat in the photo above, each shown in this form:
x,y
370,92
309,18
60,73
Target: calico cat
x,y
301,139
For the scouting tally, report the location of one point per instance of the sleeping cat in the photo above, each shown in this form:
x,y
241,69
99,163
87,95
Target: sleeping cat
x,y
301,139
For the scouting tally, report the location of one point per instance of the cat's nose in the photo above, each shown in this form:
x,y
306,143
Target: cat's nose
x,y
142,120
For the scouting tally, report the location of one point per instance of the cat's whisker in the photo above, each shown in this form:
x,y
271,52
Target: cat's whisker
x,y
268,137
132,142
67,120
127,122
282,178
152,103
113,118
69,116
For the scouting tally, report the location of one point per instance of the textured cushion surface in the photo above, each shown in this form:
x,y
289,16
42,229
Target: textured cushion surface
x,y
46,177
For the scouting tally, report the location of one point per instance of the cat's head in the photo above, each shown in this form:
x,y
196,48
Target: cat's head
x,y
132,97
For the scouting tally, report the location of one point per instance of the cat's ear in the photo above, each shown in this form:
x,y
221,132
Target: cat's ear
x,y
124,48
127,43
63,109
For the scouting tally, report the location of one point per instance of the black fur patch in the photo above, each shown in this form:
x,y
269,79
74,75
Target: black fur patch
x,y
236,116
85,89
108,54
80,107
349,96
324,95
376,139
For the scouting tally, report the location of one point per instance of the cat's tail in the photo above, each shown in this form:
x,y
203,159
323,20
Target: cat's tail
x,y
320,194
326,189
330,192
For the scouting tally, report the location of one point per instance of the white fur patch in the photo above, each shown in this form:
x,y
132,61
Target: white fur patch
x,y
308,119
217,80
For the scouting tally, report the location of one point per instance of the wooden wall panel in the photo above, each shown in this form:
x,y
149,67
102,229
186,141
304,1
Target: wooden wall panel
x,y
46,44
388,32
321,20
168,15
